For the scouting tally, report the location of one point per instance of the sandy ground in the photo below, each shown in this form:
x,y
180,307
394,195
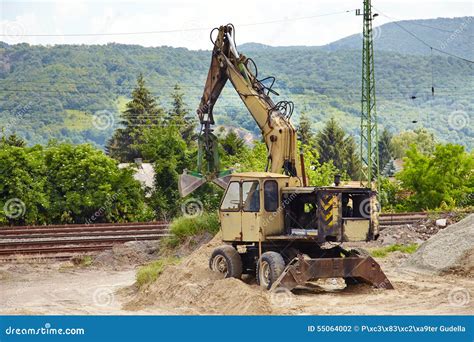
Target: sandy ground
x,y
59,288
50,289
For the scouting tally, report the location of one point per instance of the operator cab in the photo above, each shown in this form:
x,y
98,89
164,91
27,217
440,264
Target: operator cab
x,y
260,206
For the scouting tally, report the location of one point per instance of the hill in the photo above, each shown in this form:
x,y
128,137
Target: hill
x,y
454,35
54,91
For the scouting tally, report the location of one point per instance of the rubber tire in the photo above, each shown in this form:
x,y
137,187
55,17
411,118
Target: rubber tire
x,y
289,254
277,266
233,260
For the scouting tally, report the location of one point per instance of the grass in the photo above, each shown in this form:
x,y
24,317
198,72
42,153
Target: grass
x,y
150,272
184,227
384,251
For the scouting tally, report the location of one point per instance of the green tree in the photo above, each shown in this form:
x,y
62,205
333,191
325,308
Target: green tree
x,y
444,178
142,111
232,144
24,191
179,116
385,148
337,148
87,186
352,164
166,148
423,139
318,174
13,140
305,132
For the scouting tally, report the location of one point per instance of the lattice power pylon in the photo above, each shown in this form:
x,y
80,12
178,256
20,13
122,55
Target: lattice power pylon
x,y
369,153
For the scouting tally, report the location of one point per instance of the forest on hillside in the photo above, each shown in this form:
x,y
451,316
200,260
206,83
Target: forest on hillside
x,y
75,93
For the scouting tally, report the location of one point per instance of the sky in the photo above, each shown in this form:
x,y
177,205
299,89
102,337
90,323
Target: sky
x,y
186,23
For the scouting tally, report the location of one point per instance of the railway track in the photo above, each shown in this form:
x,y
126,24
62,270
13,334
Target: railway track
x,y
66,241
394,219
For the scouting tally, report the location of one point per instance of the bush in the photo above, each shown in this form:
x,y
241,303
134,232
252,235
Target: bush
x,y
150,272
445,178
184,227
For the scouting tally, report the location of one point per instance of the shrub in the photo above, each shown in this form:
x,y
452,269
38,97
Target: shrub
x,y
183,227
150,272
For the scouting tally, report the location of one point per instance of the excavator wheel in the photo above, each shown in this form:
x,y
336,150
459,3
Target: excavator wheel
x,y
226,260
269,267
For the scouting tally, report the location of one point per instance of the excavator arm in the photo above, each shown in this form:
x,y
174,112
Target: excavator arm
x,y
273,119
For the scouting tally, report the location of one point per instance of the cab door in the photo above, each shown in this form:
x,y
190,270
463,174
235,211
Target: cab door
x,y
230,213
250,211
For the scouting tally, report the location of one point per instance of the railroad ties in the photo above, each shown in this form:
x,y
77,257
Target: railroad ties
x,y
395,219
65,241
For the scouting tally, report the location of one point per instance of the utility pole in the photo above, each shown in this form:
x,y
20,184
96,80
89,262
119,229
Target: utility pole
x,y
369,151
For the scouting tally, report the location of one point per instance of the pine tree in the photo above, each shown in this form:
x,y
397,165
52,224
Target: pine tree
x,y
385,148
179,115
352,164
305,132
331,144
141,112
335,146
232,143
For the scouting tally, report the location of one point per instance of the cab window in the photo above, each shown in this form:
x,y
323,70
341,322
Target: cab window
x,y
231,199
270,195
251,196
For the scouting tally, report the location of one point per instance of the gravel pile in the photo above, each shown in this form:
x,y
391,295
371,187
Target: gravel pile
x,y
451,250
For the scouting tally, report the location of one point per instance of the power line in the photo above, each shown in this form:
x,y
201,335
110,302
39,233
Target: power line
x,y
422,41
174,30
411,22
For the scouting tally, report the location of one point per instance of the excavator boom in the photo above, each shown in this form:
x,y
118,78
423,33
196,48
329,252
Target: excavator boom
x,y
273,119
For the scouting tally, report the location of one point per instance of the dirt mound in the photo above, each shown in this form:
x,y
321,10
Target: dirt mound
x,y
127,255
451,250
191,288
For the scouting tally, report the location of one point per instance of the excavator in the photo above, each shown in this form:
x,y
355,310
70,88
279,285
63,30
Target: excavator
x,y
273,224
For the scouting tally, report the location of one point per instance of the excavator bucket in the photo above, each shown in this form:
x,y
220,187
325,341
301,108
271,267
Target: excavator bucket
x,y
353,269
190,181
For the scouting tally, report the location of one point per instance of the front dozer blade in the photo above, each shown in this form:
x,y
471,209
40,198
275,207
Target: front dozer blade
x,y
360,269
